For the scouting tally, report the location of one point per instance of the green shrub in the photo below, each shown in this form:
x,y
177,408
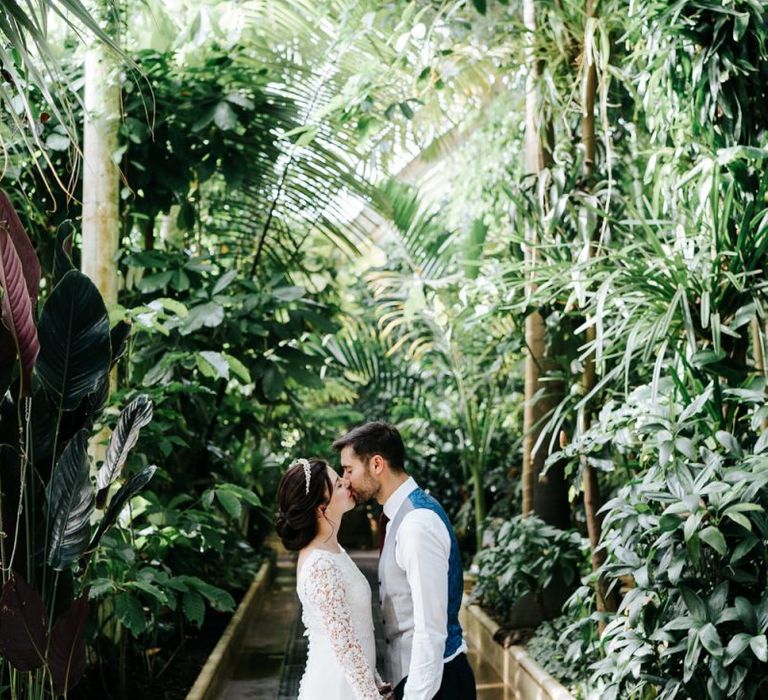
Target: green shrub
x,y
526,556
688,536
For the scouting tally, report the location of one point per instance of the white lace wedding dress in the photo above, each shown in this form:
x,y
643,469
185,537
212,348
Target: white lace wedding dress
x,y
336,610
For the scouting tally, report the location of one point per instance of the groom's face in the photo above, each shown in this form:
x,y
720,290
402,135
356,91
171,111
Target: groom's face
x,y
357,471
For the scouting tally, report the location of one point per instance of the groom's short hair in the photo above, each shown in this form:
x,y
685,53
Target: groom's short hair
x,y
375,438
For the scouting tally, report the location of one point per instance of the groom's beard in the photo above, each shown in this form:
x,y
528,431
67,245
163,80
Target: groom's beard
x,y
362,497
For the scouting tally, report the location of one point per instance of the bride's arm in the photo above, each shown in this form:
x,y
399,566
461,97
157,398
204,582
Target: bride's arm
x,y
325,588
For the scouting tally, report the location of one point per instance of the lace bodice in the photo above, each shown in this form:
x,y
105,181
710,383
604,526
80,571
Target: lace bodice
x,y
336,610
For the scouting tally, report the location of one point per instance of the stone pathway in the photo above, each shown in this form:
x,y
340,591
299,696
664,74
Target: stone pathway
x,y
272,657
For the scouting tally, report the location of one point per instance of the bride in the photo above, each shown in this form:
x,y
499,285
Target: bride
x,y
334,594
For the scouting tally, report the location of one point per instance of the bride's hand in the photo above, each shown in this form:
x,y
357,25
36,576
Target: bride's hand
x,y
385,690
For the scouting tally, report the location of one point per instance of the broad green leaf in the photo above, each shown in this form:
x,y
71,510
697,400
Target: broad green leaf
x,y
193,605
736,646
152,283
273,383
746,613
695,604
213,364
710,640
714,538
224,281
150,590
759,646
217,597
208,315
288,294
729,442
238,368
230,502
739,519
224,116
743,548
129,612
99,586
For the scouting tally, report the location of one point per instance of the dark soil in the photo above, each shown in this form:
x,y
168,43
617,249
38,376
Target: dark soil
x,y
175,682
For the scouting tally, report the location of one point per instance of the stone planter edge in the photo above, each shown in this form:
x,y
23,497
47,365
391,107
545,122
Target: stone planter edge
x,y
516,667
214,674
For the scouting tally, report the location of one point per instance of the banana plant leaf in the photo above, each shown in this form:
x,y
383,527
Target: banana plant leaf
x,y
17,306
23,628
127,491
70,503
66,656
119,339
62,256
75,350
132,419
30,264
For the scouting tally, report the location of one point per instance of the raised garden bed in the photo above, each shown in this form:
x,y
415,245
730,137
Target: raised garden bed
x,y
218,667
518,670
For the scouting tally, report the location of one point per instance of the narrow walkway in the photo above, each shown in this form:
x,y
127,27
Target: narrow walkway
x,y
272,658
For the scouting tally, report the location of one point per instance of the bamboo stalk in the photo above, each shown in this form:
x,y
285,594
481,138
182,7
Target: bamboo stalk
x,y
536,159
590,484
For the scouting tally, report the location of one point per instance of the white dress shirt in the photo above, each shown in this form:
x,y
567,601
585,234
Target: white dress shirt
x,y
422,550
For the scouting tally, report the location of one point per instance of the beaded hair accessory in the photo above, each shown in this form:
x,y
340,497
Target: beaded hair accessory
x,y
307,472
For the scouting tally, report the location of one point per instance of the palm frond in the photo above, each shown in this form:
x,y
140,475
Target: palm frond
x,y
27,61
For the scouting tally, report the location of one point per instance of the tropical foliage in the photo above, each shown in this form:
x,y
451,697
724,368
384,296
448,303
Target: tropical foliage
x,y
533,235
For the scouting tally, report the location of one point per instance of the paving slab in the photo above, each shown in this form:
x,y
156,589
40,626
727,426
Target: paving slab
x,y
271,660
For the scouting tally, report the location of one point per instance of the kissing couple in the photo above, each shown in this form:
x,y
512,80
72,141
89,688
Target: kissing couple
x,y
420,577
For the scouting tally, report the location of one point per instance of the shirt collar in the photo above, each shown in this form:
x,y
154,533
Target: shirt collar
x,y
397,498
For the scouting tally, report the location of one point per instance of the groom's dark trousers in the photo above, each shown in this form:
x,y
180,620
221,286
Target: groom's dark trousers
x,y
458,681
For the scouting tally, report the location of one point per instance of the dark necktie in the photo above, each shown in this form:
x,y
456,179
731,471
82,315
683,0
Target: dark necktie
x,y
383,520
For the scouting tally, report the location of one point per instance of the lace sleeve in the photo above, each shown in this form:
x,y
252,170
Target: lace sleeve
x,y
325,589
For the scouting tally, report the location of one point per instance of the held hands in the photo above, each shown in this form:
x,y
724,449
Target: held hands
x,y
386,692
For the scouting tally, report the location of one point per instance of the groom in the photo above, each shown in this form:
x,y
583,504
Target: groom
x,y
420,576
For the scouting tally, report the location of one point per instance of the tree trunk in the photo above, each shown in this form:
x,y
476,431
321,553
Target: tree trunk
x,y
101,184
534,323
547,495
591,484
101,222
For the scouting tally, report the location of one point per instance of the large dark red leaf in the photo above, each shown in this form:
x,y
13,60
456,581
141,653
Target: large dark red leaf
x,y
16,306
24,249
23,629
66,657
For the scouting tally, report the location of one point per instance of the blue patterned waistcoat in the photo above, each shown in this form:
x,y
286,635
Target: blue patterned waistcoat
x,y
395,593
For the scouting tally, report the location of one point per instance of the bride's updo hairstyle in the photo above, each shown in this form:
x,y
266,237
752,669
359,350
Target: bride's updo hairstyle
x,y
297,519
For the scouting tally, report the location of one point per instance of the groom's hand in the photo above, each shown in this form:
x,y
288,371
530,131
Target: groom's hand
x,y
385,690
